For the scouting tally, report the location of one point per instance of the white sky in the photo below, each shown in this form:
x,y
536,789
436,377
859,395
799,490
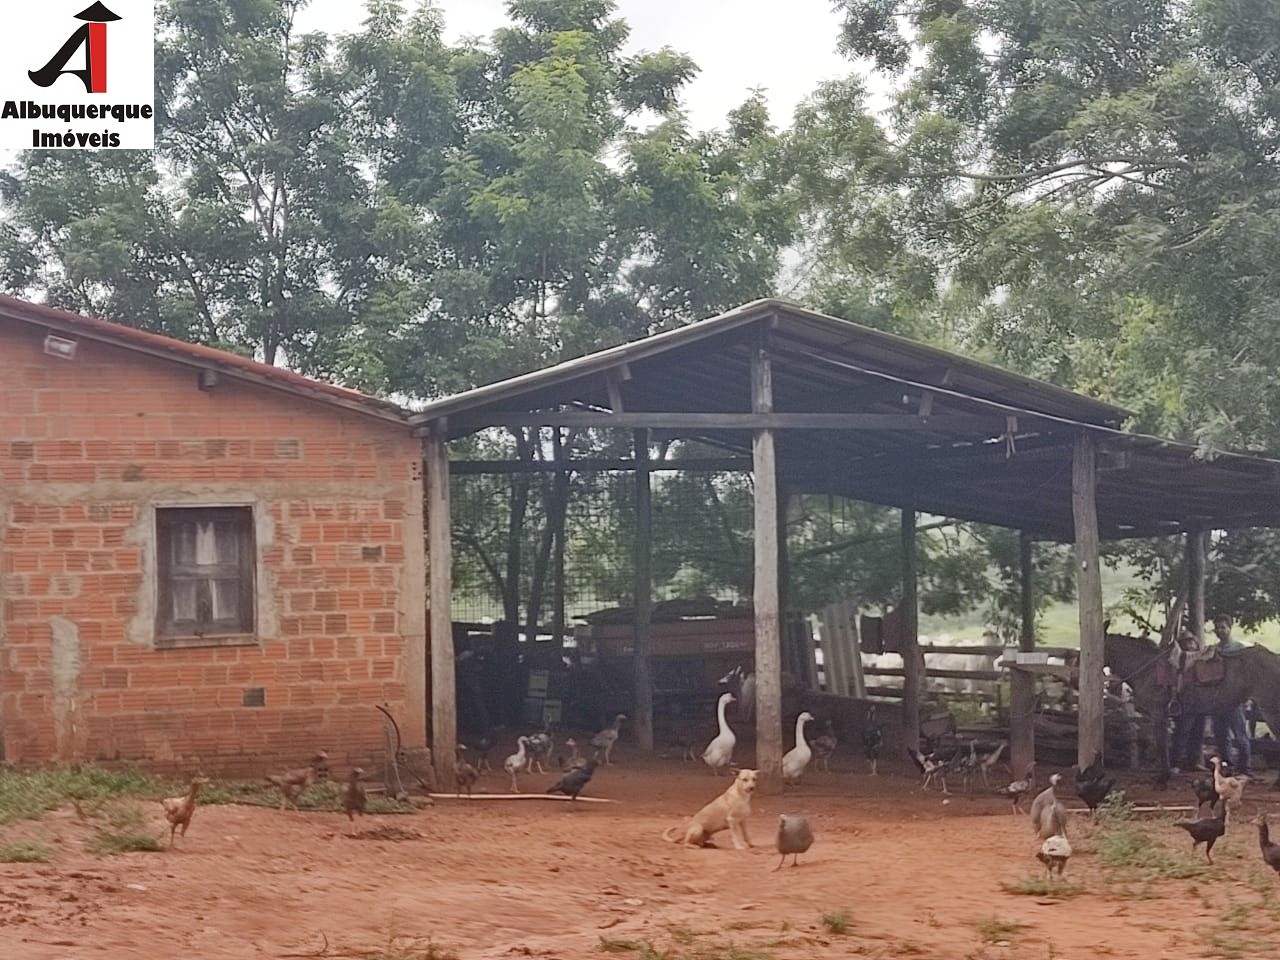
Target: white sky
x,y
787,48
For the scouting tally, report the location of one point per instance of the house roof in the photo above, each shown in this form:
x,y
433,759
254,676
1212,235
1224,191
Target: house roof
x,y
982,443
195,355
791,327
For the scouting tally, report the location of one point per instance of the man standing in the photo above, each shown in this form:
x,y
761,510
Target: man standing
x,y
1231,725
1188,728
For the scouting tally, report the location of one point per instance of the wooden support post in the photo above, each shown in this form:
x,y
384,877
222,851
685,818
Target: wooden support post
x,y
1084,506
767,661
643,595
1195,582
1022,683
910,620
444,712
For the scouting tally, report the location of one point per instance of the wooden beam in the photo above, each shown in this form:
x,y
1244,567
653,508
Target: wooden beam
x,y
1084,507
981,425
765,594
1195,538
444,711
463,468
643,595
910,620
1022,685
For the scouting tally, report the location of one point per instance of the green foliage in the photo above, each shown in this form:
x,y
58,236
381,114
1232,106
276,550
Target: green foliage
x,y
995,930
1041,886
25,852
27,795
123,830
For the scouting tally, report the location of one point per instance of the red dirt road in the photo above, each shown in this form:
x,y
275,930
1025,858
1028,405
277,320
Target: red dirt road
x,y
499,879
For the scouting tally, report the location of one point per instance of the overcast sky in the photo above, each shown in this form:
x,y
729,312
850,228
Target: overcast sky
x,y
785,47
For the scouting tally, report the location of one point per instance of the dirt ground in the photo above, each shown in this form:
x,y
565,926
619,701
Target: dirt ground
x,y
500,879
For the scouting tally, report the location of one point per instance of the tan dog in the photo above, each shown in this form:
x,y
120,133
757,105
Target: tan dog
x,y
729,811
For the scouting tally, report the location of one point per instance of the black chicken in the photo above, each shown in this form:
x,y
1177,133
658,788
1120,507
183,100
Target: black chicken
x,y
1093,792
1094,771
872,740
1206,793
1206,830
1270,851
572,783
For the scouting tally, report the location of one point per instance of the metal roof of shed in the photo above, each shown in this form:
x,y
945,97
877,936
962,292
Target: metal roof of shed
x,y
983,444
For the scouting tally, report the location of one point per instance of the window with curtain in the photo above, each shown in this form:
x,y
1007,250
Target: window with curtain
x,y
206,575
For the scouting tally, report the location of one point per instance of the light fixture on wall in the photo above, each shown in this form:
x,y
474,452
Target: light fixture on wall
x,y
60,347
208,379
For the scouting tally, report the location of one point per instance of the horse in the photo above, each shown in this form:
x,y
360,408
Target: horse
x,y
1253,674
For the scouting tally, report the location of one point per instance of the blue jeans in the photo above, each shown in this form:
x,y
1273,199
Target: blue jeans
x,y
1188,741
1228,727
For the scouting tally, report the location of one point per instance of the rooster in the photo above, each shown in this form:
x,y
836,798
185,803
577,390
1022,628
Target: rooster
x,y
1019,788
179,810
823,746
1090,785
1270,851
354,799
872,740
1206,830
932,768
464,774
294,783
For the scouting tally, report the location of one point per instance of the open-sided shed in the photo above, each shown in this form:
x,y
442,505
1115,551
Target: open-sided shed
x,y
814,404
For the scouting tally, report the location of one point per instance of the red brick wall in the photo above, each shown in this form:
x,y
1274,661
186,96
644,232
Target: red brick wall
x,y
88,448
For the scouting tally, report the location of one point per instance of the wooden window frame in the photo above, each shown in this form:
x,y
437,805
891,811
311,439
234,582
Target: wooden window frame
x,y
170,633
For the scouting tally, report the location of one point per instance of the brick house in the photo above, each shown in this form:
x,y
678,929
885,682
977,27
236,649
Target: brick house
x,y
203,560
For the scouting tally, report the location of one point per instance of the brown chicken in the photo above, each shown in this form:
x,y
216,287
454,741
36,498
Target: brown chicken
x,y
464,774
353,797
293,783
179,810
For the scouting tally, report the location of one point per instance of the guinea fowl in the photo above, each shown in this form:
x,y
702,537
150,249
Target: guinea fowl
x,y
872,740
1019,788
797,758
516,761
1206,830
719,752
1230,789
932,768
1056,849
1205,792
794,837
464,774
1270,851
354,799
606,738
1048,815
824,746
571,783
179,810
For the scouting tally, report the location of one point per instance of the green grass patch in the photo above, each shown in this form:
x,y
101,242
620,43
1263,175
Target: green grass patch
x,y
995,930
1129,851
29,794
838,922
25,852
124,831
1037,886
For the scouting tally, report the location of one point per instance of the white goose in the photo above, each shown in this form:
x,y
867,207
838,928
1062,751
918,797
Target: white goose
x,y
797,758
719,751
